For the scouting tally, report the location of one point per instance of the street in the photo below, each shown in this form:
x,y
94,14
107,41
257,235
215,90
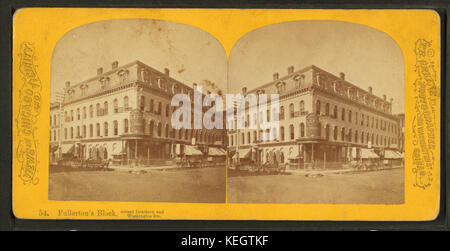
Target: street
x,y
374,187
205,185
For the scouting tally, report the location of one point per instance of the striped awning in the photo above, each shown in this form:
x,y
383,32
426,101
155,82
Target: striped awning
x,y
67,148
214,151
389,154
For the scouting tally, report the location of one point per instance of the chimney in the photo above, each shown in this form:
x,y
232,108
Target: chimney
x,y
291,69
99,71
166,71
67,84
384,97
370,89
115,65
342,75
275,76
244,90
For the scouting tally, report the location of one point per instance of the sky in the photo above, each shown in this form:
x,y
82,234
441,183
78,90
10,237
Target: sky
x,y
367,56
191,54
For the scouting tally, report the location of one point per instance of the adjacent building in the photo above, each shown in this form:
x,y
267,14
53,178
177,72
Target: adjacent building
x,y
324,121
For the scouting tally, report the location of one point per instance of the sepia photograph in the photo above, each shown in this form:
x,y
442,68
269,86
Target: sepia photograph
x,y
111,125
335,106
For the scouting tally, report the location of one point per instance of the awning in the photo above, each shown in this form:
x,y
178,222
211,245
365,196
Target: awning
x,y
389,154
213,151
53,148
67,148
191,150
368,154
244,153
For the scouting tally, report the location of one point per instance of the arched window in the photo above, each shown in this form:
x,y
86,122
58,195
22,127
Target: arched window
x,y
291,110
281,112
343,114
84,131
97,110
159,129
142,103
91,130
151,128
335,112
350,135
167,131
116,105
318,107
327,109
255,136
71,132
343,134
78,132
327,132
105,108
116,127
356,136
84,112
335,136
125,103
302,107
97,127
291,132
78,114
151,105
105,128
91,111
125,125
349,116
302,130
159,108
282,133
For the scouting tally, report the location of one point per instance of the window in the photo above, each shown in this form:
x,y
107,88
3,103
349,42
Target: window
x,y
282,133
343,114
98,110
142,103
335,136
65,133
242,138
350,135
349,116
97,127
302,107
343,134
159,108
84,112
84,131
159,129
327,132
91,111
335,112
105,108
71,115
105,128
71,132
255,136
78,132
327,109
151,127
318,107
248,138
125,103
151,105
281,113
291,110
167,131
291,132
78,114
356,136
125,125
116,105
167,110
302,130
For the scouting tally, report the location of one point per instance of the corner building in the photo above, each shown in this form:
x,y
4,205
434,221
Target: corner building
x,y
325,121
124,114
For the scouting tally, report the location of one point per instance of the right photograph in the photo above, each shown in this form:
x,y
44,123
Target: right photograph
x,y
322,115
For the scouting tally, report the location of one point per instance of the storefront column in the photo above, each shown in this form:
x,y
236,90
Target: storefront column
x,y
312,155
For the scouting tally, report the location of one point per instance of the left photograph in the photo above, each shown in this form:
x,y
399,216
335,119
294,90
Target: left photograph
x,y
121,124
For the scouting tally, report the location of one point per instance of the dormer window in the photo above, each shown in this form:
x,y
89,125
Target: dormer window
x,y
104,83
123,75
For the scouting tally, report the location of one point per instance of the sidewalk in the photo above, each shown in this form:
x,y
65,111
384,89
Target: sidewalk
x,y
144,168
315,172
